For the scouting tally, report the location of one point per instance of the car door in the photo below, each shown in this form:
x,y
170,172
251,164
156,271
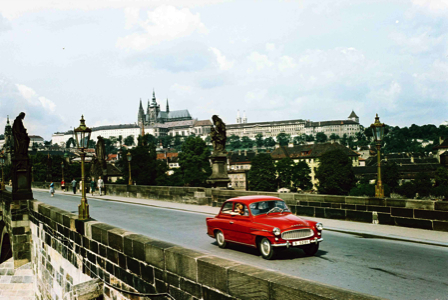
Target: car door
x,y
226,220
240,227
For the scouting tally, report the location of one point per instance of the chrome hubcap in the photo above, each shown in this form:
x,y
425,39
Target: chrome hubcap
x,y
266,247
220,237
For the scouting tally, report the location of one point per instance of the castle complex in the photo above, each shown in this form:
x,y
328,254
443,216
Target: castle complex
x,y
179,122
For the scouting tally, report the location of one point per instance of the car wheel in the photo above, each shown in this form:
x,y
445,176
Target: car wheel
x,y
220,240
310,250
266,249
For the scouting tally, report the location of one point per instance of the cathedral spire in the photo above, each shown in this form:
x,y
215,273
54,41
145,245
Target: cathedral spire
x,y
141,106
167,106
154,97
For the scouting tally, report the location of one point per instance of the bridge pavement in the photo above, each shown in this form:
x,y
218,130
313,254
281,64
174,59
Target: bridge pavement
x,y
363,259
398,233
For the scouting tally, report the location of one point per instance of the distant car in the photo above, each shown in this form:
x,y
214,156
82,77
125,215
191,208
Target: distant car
x,y
263,222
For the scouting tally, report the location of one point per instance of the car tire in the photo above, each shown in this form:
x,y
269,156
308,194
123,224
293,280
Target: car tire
x,y
220,240
266,249
311,250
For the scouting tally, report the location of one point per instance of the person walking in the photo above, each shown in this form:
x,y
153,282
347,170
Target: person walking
x,y
100,185
52,189
74,185
92,186
63,185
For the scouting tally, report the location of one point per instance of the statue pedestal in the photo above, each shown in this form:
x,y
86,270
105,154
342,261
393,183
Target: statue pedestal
x,y
21,179
219,177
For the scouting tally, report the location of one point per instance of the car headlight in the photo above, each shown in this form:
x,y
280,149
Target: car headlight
x,y
276,231
319,226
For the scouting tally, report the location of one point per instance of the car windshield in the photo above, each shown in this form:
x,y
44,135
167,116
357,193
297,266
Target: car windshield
x,y
263,207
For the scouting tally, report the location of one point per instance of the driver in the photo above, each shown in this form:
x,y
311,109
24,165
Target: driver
x,y
239,208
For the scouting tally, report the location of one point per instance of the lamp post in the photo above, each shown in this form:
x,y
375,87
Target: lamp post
x,y
2,162
129,157
378,134
82,134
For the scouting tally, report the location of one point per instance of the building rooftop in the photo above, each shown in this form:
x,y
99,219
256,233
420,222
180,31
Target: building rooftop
x,y
309,151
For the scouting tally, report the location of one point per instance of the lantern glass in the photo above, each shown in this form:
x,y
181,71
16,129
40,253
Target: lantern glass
x,y
82,134
129,156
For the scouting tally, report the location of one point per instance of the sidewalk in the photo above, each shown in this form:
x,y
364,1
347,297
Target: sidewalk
x,y
422,236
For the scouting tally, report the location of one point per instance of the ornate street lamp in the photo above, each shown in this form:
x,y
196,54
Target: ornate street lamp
x,y
82,134
2,162
129,157
378,134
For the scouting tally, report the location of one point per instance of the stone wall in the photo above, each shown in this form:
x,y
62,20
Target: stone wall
x,y
67,252
423,214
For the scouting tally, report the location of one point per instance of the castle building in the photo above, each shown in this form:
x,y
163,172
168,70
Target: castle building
x,y
297,127
155,116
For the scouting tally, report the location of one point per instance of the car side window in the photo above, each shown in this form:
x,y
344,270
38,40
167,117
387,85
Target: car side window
x,y
227,208
241,209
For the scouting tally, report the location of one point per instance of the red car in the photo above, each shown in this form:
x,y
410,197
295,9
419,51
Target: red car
x,y
265,223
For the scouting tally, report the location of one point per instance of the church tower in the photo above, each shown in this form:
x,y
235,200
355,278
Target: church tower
x,y
167,106
244,117
141,114
238,118
153,110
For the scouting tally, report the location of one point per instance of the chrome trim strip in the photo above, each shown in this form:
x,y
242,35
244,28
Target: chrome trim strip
x,y
320,240
240,243
279,245
310,234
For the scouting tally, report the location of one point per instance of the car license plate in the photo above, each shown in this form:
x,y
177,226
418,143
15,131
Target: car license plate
x,y
298,243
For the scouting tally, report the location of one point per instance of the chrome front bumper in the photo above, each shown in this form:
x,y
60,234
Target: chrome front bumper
x,y
289,244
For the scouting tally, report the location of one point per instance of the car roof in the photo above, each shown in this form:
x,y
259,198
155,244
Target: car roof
x,y
250,199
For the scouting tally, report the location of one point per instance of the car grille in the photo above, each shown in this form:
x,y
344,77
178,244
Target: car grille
x,y
297,234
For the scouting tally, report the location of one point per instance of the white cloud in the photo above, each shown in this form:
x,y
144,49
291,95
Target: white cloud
x,y
15,9
164,23
31,96
286,62
131,16
27,92
422,40
270,47
261,61
436,6
223,63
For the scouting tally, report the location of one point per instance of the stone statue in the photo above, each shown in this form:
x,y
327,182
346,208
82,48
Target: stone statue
x,y
21,138
100,149
218,136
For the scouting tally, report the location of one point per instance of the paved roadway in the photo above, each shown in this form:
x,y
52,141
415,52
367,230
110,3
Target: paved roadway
x,y
384,268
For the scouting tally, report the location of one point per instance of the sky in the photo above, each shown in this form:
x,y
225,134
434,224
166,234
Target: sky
x,y
275,60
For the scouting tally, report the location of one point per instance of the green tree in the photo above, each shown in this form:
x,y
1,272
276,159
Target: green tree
x,y
283,139
300,139
262,174
344,140
390,175
259,140
70,142
301,176
321,137
194,162
166,141
120,140
285,169
422,184
269,142
334,137
335,173
441,177
129,140
234,141
246,142
309,138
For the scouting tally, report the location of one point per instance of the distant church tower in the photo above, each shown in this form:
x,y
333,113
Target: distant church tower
x,y
8,135
167,106
141,114
153,110
353,117
238,118
244,117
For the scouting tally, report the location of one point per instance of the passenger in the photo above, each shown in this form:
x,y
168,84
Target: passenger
x,y
239,208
